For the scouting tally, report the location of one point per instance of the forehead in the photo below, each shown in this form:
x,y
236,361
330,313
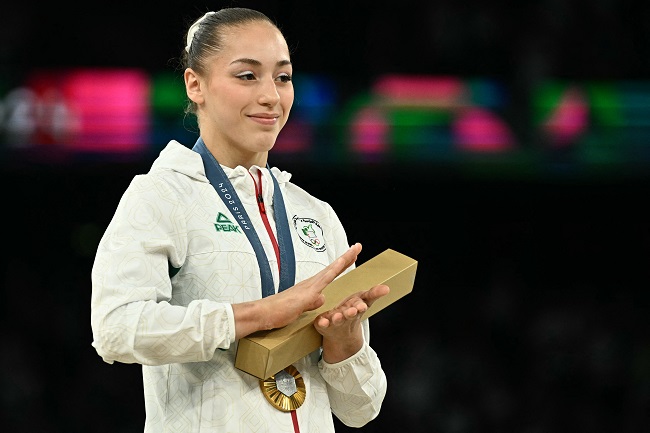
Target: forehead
x,y
257,40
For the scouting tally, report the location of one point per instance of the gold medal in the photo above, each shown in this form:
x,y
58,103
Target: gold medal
x,y
285,390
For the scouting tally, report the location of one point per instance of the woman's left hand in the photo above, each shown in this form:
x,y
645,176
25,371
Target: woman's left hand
x,y
341,326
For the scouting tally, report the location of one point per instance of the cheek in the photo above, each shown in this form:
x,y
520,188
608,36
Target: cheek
x,y
229,103
287,100
224,92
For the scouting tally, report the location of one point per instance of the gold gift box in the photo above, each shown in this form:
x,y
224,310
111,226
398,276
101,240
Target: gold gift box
x,y
264,353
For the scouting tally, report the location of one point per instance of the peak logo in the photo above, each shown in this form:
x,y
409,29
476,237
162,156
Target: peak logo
x,y
223,224
310,232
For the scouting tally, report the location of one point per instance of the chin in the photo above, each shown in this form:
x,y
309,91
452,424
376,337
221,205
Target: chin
x,y
266,143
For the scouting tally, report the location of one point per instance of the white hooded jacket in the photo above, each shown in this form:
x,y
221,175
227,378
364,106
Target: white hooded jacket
x,y
167,270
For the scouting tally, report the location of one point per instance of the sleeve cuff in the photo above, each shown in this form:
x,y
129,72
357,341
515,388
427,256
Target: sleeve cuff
x,y
346,361
231,323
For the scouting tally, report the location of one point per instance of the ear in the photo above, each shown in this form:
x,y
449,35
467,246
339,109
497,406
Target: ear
x,y
193,86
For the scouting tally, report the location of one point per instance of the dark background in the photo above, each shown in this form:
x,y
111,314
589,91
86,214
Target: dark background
x,y
529,312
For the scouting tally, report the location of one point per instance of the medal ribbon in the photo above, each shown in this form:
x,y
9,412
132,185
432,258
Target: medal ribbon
x,y
219,180
287,260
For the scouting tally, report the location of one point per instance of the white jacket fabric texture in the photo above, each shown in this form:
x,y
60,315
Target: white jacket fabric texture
x,y
168,267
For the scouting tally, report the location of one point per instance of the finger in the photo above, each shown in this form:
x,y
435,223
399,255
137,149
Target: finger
x,y
375,293
355,311
333,317
339,265
360,306
380,290
350,256
323,322
337,318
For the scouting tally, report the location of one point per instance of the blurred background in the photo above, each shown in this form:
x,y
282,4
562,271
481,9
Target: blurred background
x,y
504,145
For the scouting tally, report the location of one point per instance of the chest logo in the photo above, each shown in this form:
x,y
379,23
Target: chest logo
x,y
223,224
310,232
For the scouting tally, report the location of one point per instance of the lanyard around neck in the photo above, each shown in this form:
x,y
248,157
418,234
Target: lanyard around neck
x,y
219,180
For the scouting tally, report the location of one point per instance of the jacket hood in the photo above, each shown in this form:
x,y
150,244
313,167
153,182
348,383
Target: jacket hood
x,y
181,159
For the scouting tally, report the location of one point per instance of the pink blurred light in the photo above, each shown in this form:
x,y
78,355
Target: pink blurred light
x,y
479,130
569,120
443,91
296,137
369,132
107,110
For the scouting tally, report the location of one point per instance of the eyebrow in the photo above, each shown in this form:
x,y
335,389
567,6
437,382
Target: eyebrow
x,y
258,63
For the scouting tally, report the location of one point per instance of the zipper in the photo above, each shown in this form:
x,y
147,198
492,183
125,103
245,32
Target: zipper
x,y
265,219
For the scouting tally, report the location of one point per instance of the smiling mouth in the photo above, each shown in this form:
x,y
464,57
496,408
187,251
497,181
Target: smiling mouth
x,y
265,120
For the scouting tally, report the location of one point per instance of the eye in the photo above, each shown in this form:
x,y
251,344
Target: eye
x,y
246,76
285,78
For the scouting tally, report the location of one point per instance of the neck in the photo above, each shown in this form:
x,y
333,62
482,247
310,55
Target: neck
x,y
230,157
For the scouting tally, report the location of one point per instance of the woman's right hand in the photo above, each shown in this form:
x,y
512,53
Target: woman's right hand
x,y
285,307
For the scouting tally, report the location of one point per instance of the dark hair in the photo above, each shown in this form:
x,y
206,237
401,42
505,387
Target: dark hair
x,y
208,38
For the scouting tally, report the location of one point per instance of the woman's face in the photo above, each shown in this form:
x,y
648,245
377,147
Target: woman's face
x,y
247,94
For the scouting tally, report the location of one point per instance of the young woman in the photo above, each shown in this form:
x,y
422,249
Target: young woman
x,y
212,244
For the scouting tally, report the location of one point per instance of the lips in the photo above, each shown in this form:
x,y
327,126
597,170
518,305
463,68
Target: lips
x,y
265,119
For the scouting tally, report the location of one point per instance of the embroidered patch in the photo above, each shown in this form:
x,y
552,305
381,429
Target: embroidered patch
x,y
310,232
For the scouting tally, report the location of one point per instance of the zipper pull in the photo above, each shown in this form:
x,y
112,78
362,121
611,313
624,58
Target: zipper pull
x,y
260,203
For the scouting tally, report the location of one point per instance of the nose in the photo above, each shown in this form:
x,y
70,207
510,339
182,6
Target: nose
x,y
268,95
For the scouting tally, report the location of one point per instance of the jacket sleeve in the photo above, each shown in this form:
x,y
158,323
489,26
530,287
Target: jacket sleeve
x,y
356,386
132,318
